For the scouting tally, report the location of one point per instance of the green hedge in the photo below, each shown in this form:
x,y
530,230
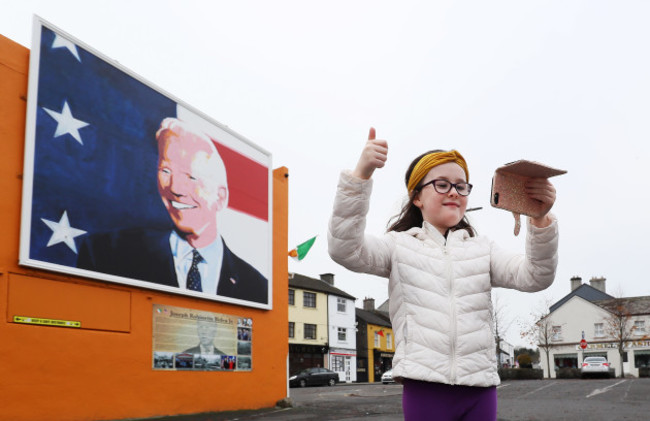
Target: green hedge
x,y
567,373
521,374
574,373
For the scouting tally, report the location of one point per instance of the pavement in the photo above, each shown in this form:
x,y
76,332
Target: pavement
x,y
222,416
520,400
286,410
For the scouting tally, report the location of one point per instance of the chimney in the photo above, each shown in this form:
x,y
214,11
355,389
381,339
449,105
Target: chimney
x,y
369,304
327,277
598,283
576,282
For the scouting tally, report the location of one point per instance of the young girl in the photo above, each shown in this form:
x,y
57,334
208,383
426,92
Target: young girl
x,y
440,277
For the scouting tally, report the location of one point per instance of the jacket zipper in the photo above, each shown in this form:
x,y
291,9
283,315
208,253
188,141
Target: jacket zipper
x,y
452,375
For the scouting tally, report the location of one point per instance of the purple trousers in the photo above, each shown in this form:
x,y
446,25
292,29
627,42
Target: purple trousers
x,y
425,401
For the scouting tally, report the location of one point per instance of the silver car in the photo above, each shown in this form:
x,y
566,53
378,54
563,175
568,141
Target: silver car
x,y
595,366
387,377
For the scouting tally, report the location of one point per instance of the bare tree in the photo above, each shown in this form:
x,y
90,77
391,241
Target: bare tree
x,y
618,324
502,323
542,332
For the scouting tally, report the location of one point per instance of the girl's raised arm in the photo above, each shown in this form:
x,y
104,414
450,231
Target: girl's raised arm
x,y
373,156
348,243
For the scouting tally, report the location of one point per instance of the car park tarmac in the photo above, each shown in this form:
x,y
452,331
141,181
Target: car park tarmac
x,y
523,400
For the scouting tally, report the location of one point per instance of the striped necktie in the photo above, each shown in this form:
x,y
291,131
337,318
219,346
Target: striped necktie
x,y
193,276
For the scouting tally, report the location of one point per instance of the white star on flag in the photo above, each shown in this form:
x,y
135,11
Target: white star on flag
x,y
66,123
62,232
60,42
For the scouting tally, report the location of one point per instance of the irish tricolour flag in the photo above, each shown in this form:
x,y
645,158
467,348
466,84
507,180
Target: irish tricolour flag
x,y
301,250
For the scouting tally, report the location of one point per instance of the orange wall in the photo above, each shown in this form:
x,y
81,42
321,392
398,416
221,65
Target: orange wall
x,y
103,370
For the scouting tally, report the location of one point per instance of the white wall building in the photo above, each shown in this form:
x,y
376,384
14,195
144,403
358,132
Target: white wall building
x,y
584,314
342,356
507,354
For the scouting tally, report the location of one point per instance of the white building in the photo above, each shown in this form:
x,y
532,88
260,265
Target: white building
x,y
584,314
342,356
322,331
506,354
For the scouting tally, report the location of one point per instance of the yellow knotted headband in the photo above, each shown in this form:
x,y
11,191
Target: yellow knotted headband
x,y
433,160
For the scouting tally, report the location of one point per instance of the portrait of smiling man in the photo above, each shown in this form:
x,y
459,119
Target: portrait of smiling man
x,y
207,332
193,187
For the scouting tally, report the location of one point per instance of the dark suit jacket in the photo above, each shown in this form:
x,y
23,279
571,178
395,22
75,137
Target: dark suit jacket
x,y
145,255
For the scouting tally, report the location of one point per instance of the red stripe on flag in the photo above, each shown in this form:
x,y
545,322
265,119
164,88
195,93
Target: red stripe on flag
x,y
248,183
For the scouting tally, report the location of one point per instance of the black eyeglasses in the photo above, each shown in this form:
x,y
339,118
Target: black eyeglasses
x,y
444,186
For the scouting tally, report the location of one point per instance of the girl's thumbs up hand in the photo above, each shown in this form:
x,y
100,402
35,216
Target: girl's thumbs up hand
x,y
373,156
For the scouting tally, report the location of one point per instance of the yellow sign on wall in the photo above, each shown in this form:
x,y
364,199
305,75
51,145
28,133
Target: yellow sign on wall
x,y
46,322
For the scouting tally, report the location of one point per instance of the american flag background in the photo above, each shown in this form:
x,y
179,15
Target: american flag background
x,y
93,159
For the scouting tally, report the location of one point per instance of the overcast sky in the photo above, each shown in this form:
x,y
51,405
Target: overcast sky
x,y
566,83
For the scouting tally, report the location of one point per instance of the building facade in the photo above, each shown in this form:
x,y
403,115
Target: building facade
x,y
342,356
321,326
375,342
76,348
588,313
506,354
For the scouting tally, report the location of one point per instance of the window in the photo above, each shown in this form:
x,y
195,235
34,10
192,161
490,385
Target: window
x,y
557,333
343,334
338,363
377,340
340,305
566,360
641,358
639,327
292,328
310,331
309,299
389,341
598,330
292,294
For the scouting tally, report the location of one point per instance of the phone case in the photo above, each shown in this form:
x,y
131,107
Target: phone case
x,y
508,191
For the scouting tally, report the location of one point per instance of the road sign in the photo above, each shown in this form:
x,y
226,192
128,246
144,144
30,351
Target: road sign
x,y
583,344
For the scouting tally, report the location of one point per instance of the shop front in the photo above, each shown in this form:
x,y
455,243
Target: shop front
x,y
383,361
306,356
344,362
636,355
565,360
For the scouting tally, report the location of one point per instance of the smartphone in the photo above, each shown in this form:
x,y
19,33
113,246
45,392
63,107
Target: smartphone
x,y
508,186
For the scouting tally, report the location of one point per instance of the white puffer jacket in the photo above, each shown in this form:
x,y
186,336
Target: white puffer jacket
x,y
439,289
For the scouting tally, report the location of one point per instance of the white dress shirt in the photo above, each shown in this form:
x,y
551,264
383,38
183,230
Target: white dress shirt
x,y
209,267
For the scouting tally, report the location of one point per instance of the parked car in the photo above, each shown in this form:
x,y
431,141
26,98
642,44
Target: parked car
x,y
595,366
387,377
314,376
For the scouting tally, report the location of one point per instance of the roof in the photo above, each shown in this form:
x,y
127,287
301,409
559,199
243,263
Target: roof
x,y
297,280
633,305
373,317
384,307
585,291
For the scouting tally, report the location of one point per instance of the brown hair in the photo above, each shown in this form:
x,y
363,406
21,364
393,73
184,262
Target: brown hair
x,y
410,215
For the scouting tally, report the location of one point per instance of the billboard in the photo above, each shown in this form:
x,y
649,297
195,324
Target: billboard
x,y
125,183
187,339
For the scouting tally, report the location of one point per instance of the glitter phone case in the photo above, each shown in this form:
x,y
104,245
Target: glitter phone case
x,y
508,191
